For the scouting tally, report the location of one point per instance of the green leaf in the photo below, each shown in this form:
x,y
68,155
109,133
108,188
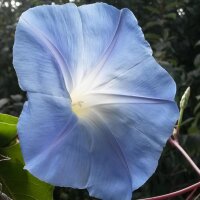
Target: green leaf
x,y
152,36
3,102
152,9
197,108
198,97
171,6
194,126
171,16
191,142
18,183
153,24
8,129
197,61
198,43
8,119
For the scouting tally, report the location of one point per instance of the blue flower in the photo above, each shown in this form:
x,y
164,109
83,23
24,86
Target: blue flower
x,y
100,108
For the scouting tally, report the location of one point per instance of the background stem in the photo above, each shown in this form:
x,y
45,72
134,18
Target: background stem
x,y
184,153
174,194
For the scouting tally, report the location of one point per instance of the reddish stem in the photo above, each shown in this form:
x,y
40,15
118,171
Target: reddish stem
x,y
193,188
174,194
191,194
184,153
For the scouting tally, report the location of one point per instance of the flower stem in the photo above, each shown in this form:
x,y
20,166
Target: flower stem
x,y
191,194
179,122
183,104
193,187
184,153
174,194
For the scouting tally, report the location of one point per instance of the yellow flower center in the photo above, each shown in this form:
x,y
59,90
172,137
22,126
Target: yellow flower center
x,y
78,106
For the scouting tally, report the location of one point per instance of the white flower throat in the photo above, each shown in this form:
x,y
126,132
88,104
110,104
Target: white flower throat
x,y
84,96
79,103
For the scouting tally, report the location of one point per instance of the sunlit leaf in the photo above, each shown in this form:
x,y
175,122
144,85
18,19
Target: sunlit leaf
x,y
8,128
17,183
8,119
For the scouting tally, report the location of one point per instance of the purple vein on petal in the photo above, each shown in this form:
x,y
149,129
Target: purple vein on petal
x,y
67,129
149,139
121,74
63,68
122,98
82,55
115,144
95,100
106,54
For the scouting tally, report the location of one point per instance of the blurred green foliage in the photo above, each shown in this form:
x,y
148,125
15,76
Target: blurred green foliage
x,y
172,28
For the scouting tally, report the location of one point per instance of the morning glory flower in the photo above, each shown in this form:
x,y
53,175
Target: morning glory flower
x,y
100,108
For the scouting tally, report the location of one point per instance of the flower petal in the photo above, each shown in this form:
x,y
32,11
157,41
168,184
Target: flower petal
x,y
65,151
147,82
141,133
57,151
125,48
147,79
47,42
109,177
99,26
49,39
111,153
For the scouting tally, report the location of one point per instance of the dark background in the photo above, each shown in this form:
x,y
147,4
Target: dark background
x,y
172,28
